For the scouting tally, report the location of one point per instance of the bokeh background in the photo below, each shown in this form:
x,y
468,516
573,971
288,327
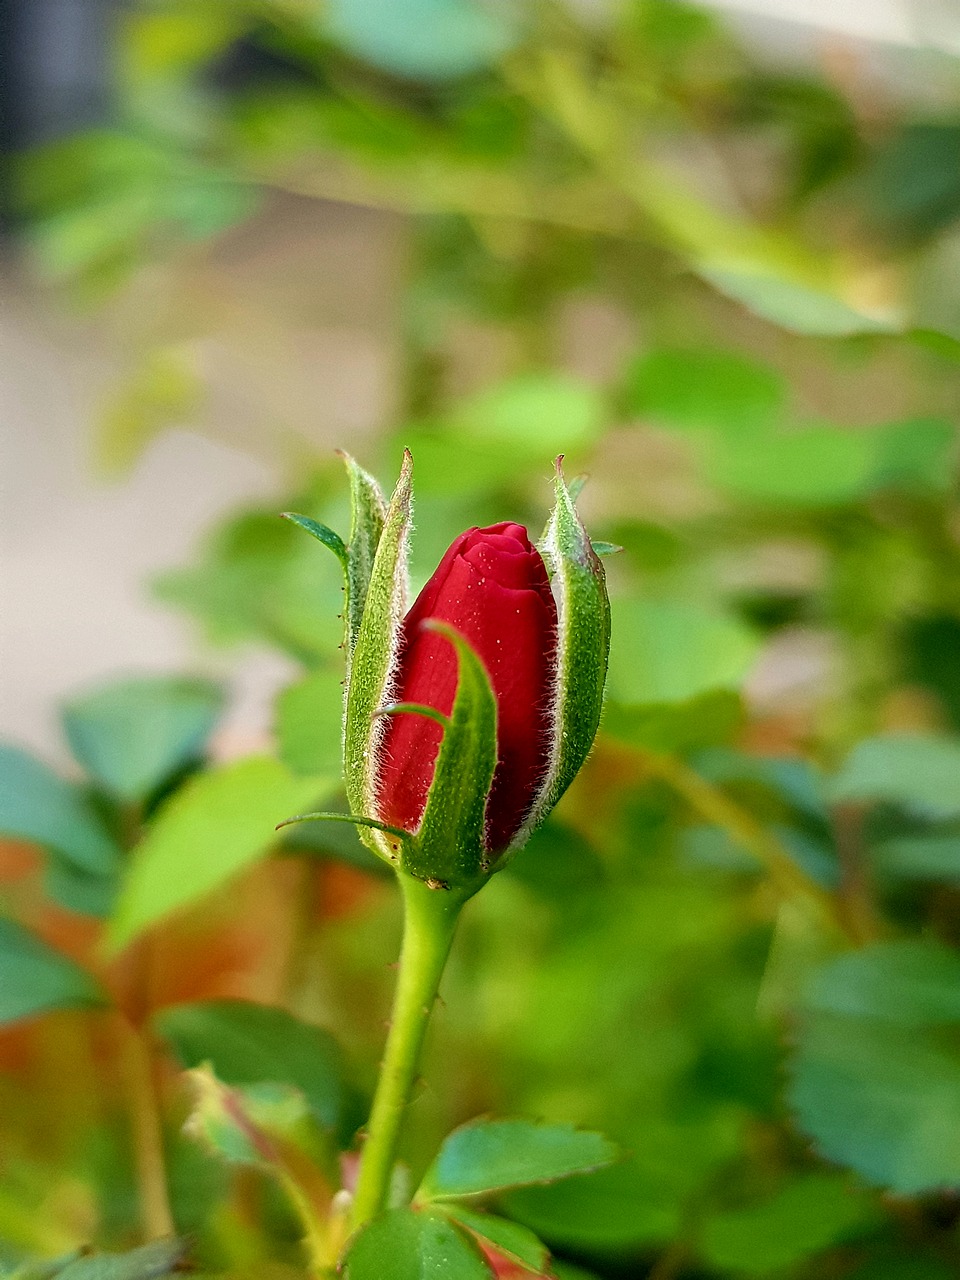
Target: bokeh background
x,y
712,257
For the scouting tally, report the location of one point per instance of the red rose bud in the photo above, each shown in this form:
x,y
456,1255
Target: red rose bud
x,y
492,587
467,719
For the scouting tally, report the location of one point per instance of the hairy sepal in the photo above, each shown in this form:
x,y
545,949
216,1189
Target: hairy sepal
x,y
373,658
368,513
449,850
583,646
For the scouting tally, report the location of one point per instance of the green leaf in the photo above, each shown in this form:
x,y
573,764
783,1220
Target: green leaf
x,y
583,619
708,720
933,857
508,1238
262,1124
161,1258
912,982
880,1098
671,651
795,306
405,1244
909,1262
368,512
705,389
132,735
538,414
493,1155
450,844
917,455
617,1208
921,772
163,389
47,1269
35,979
39,806
79,891
309,724
423,39
371,667
567,1271
913,184
815,465
209,830
250,1043
807,1216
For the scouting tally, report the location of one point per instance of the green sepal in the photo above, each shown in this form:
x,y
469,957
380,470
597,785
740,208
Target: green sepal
x,y
415,709
449,848
322,534
583,646
374,824
368,509
373,658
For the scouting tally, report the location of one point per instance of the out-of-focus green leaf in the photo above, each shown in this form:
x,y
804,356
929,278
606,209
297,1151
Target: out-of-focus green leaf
x,y
557,863
880,1098
48,1269
260,579
250,1043
509,1238
806,465
567,1271
797,307
309,723
39,806
672,651
920,772
918,455
78,890
932,857
161,1258
257,1125
677,727
911,982
911,1263
913,186
539,415
929,646
705,389
132,735
408,1245
178,37
450,464
35,979
491,1155
792,778
422,39
806,1216
212,828
163,391
615,1208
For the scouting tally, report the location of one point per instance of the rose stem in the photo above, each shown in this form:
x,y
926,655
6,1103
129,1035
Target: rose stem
x,y
429,922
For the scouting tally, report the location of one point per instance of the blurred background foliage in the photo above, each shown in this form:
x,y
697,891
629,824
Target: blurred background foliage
x,y
728,293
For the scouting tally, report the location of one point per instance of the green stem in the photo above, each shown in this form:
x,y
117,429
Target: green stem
x,y
429,923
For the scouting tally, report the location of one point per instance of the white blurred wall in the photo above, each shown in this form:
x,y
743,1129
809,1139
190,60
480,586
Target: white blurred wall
x,y
77,550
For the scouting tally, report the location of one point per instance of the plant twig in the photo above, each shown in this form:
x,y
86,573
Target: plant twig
x,y
743,828
143,1107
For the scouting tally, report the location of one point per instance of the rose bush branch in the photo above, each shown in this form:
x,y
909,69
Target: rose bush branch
x,y
465,720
